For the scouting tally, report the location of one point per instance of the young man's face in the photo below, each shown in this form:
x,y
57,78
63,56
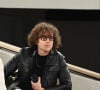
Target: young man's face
x,y
45,43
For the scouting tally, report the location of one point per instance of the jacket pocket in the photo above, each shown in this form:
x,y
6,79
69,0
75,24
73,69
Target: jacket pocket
x,y
52,74
53,68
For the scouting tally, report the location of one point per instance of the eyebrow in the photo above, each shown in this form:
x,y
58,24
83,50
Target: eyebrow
x,y
46,36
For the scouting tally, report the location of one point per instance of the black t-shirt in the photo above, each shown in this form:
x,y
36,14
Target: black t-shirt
x,y
39,65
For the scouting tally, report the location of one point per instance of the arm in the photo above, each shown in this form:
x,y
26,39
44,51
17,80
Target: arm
x,y
64,77
11,66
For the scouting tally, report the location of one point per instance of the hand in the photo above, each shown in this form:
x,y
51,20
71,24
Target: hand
x,y
37,85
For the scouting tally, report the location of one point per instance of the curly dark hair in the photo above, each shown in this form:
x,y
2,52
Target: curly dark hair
x,y
41,29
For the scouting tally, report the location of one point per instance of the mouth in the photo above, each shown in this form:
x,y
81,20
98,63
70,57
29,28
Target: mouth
x,y
48,45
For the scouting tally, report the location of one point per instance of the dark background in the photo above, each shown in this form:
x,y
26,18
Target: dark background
x,y
79,31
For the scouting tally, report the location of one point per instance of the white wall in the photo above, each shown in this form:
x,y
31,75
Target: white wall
x,y
51,4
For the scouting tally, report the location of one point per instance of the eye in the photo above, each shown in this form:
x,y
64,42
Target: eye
x,y
44,38
51,38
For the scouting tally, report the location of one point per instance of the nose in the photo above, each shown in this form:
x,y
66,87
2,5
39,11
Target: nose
x,y
48,40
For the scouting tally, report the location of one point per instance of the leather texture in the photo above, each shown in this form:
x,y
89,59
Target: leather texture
x,y
55,68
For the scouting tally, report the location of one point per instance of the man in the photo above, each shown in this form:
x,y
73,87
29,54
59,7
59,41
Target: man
x,y
40,65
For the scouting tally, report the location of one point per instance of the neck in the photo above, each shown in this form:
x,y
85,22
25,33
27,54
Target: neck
x,y
43,53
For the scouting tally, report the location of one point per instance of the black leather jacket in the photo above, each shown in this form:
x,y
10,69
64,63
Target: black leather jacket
x,y
55,68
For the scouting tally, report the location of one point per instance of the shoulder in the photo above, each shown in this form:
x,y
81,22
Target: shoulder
x,y
61,58
24,52
27,50
60,54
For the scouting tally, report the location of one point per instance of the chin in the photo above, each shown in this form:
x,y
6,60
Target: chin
x,y
47,50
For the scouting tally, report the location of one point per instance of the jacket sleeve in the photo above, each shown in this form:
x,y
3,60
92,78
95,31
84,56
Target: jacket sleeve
x,y
11,66
64,77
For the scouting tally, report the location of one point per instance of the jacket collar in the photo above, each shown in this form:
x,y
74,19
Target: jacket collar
x,y
51,52
49,58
